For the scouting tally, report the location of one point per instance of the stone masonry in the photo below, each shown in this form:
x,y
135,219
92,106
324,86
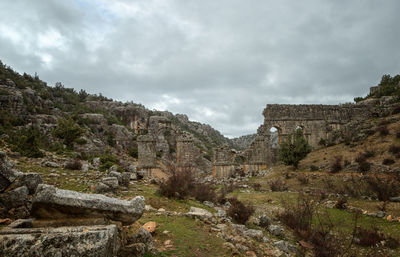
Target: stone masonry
x,y
147,156
223,162
316,121
185,151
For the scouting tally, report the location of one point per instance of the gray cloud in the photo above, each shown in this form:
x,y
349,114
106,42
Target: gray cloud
x,y
219,62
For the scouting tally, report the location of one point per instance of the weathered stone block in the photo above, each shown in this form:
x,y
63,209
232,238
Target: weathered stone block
x,y
30,180
63,241
112,182
50,203
14,198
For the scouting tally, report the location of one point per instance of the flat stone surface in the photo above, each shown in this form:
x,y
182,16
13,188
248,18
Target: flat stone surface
x,y
194,211
50,202
63,241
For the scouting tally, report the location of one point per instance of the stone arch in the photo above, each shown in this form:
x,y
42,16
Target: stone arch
x,y
275,131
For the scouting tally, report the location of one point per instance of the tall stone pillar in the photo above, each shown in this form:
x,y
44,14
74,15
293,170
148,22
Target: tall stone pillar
x,y
185,151
147,156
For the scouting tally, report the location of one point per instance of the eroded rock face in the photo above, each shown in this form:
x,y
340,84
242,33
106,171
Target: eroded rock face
x,y
63,241
50,203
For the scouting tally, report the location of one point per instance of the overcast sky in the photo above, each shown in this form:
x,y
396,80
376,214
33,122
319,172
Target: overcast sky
x,y
218,61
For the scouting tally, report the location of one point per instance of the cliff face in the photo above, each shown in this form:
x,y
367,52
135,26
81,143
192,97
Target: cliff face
x,y
27,103
243,142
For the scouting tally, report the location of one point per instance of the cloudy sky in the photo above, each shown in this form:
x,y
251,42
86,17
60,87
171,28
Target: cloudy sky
x,y
218,61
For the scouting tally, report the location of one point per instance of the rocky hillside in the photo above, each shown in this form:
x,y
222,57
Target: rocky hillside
x,y
38,119
243,142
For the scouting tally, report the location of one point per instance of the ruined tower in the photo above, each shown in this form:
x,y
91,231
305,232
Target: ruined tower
x,y
147,154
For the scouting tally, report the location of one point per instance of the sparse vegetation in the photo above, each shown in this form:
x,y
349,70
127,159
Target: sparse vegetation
x,y
179,184
69,131
73,165
336,166
239,211
278,185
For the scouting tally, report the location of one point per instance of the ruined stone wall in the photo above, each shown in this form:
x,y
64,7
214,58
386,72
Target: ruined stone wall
x,y
223,162
317,121
147,152
185,151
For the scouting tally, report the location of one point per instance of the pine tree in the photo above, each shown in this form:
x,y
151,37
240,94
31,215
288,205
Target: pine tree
x,y
294,149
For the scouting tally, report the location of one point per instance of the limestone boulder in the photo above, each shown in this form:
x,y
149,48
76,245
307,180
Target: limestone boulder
x,y
115,174
254,233
112,182
101,188
50,202
125,179
199,213
30,180
14,198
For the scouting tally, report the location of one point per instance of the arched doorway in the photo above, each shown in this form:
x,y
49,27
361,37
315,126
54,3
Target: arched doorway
x,y
275,136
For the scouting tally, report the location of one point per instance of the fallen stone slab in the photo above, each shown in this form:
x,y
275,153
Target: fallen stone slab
x,y
199,213
62,241
51,203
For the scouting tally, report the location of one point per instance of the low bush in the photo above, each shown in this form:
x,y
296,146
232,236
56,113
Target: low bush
x,y
313,168
26,141
336,165
388,161
303,179
107,161
384,188
278,185
363,165
341,203
133,151
299,217
368,153
73,165
369,237
204,192
179,184
394,149
239,212
69,131
257,186
382,130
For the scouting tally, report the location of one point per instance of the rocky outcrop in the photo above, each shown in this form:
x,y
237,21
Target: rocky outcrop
x,y
50,202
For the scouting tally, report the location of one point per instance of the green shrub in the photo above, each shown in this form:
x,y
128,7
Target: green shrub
x,y
26,142
81,141
69,131
133,152
107,161
294,149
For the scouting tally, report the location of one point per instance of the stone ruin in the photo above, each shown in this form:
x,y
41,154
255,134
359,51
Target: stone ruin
x,y
147,155
56,222
223,162
316,122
